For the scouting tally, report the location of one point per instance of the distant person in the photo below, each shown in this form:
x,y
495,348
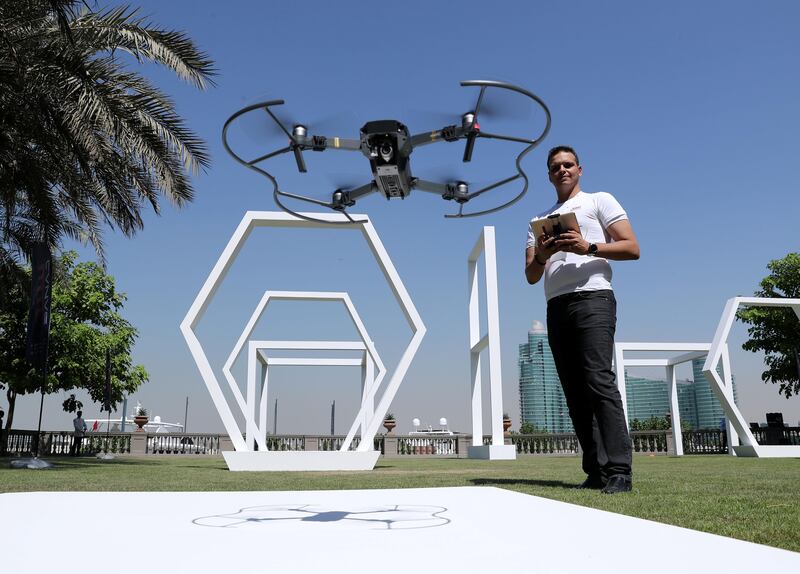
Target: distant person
x,y
79,426
581,316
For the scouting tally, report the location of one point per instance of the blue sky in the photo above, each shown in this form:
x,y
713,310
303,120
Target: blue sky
x,y
685,111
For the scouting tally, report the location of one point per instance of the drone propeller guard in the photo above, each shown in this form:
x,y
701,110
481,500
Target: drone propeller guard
x,y
388,144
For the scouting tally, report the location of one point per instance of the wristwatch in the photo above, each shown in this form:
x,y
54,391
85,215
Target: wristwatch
x,y
592,249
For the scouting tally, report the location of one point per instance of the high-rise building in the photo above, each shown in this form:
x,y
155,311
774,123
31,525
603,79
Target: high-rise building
x,y
541,398
648,398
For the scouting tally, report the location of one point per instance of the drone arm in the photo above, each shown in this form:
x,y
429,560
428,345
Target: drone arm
x,y
450,133
342,144
365,189
430,186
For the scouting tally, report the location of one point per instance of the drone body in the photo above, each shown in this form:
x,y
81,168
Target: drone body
x,y
388,145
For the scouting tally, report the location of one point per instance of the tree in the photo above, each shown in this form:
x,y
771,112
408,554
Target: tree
x,y
658,423
85,321
530,428
776,330
83,140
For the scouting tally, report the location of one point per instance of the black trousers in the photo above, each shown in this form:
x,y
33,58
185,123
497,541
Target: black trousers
x,y
75,448
580,329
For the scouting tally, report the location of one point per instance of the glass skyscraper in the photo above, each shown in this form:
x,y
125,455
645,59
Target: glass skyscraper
x,y
541,398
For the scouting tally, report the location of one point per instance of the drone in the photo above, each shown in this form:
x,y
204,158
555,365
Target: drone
x,y
388,145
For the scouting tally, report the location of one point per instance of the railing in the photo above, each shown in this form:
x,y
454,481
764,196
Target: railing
x,y
705,442
563,444
18,443
58,443
180,443
777,436
55,443
651,442
713,441
329,443
417,445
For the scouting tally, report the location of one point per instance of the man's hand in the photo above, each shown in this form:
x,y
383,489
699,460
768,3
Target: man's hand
x,y
571,242
545,247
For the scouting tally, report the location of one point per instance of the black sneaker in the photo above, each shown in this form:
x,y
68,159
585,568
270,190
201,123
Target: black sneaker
x,y
592,482
618,483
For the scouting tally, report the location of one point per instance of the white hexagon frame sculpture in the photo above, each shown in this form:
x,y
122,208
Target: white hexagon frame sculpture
x,y
251,220
497,450
749,446
689,352
254,433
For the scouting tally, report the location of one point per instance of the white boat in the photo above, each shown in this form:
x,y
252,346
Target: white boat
x,y
430,431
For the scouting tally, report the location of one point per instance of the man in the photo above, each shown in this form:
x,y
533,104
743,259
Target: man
x,y
80,429
2,433
581,316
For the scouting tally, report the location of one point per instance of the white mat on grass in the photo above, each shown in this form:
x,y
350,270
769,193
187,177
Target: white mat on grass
x,y
436,530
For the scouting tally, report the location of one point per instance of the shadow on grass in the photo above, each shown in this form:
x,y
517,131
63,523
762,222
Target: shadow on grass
x,y
522,482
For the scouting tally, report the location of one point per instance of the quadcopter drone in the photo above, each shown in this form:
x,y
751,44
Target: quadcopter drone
x,y
388,145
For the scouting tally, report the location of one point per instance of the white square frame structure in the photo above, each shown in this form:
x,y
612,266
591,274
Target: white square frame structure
x,y
258,355
250,221
497,450
254,435
689,352
718,352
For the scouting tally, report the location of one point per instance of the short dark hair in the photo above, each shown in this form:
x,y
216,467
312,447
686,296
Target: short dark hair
x,y
559,149
80,413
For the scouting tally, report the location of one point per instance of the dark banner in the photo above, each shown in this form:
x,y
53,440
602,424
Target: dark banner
x,y
39,312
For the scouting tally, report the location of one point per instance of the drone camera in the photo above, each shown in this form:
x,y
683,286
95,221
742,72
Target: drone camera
x,y
387,145
387,151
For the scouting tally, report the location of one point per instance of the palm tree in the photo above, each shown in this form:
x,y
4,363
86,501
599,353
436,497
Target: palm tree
x,y
85,141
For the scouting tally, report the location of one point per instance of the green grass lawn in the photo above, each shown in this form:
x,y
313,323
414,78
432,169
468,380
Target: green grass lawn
x,y
748,498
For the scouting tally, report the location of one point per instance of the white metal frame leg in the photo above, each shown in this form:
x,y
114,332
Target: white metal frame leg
x,y
497,450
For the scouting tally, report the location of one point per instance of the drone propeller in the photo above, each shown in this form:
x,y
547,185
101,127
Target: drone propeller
x,y
325,125
497,105
267,123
